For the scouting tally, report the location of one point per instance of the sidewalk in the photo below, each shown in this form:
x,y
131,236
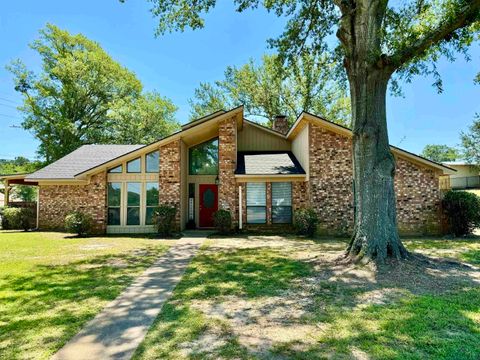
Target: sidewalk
x,y
117,331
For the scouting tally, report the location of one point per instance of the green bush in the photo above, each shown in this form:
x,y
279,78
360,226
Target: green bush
x,y
462,209
163,219
78,223
223,221
14,218
305,221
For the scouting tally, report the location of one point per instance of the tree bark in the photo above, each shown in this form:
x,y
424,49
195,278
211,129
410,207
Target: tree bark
x,y
375,235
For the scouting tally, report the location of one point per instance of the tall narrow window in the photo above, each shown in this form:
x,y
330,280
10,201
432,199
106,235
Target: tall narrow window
x,y
152,162
151,202
203,158
134,166
133,203
281,203
114,199
256,203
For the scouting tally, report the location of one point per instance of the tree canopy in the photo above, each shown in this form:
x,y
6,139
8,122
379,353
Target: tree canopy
x,y
82,96
440,153
268,89
471,142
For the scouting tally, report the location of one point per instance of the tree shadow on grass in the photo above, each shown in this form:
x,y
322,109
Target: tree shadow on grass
x,y
421,308
41,310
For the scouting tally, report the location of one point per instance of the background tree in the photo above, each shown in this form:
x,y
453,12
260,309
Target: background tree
x,y
378,41
72,100
267,90
440,153
20,165
471,142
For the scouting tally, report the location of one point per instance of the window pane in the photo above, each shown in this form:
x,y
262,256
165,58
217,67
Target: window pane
x,y
152,162
114,194
203,158
282,214
149,216
117,169
113,216
133,216
256,215
134,166
152,194
282,194
256,194
133,194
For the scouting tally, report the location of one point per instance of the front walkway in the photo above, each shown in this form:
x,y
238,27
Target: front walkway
x,y
117,331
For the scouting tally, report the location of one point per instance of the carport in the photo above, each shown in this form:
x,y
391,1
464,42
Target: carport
x,y
18,179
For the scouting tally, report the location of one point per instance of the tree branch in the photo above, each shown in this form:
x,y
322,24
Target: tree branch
x,y
465,15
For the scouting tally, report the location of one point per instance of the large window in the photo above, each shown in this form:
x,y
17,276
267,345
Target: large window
x,y
133,203
152,162
256,203
151,190
203,158
114,196
281,202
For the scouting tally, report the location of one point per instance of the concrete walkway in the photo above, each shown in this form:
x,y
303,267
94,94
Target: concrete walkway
x,y
117,331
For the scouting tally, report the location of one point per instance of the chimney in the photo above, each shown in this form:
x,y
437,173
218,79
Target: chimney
x,y
280,124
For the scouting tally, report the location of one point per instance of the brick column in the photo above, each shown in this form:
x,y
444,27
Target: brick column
x,y
268,188
169,177
227,162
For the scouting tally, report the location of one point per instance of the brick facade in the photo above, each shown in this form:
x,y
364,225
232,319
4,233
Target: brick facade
x,y
227,162
330,188
57,201
169,177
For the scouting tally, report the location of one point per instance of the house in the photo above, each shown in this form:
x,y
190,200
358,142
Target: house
x,y
466,177
224,161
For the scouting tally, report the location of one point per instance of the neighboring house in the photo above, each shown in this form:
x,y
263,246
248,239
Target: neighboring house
x,y
224,161
466,177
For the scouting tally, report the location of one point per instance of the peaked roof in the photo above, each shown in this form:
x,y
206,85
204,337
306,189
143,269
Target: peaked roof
x,y
84,158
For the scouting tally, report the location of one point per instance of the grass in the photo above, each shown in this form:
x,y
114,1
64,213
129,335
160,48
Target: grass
x,y
350,313
51,284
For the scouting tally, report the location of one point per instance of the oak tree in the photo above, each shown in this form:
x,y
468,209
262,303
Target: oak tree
x,y
379,41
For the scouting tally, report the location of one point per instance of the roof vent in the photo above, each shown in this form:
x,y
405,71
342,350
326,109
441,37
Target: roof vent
x,y
280,124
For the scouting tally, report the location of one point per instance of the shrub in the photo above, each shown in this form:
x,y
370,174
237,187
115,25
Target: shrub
x,y
78,223
305,221
223,221
163,219
462,209
14,218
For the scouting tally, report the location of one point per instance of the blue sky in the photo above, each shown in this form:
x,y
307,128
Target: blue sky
x,y
175,64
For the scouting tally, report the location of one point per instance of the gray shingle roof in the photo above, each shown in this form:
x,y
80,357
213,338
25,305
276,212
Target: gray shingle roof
x,y
268,163
80,160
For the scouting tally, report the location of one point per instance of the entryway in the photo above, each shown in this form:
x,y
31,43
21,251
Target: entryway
x,y
208,204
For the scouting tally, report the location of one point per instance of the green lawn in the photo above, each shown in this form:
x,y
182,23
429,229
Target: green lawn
x,y
261,298
51,284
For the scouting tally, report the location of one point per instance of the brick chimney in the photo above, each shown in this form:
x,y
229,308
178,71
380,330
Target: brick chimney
x,y
280,124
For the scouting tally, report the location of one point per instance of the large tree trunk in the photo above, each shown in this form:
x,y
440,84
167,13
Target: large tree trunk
x,y
375,234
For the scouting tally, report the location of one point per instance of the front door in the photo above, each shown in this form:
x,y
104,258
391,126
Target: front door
x,y
208,203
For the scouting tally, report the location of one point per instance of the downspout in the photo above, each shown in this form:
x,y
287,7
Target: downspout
x,y
38,207
240,212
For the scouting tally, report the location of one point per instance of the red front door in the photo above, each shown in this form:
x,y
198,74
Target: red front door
x,y
208,203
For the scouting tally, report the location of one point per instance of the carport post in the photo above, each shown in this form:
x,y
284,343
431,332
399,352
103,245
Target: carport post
x,y
240,220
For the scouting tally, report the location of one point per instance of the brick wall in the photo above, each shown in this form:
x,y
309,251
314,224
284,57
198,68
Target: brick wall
x,y
330,183
169,177
227,159
56,201
330,188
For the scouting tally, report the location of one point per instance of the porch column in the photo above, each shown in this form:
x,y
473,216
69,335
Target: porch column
x,y
7,192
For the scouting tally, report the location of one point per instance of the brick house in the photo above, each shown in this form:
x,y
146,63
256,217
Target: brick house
x,y
225,161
